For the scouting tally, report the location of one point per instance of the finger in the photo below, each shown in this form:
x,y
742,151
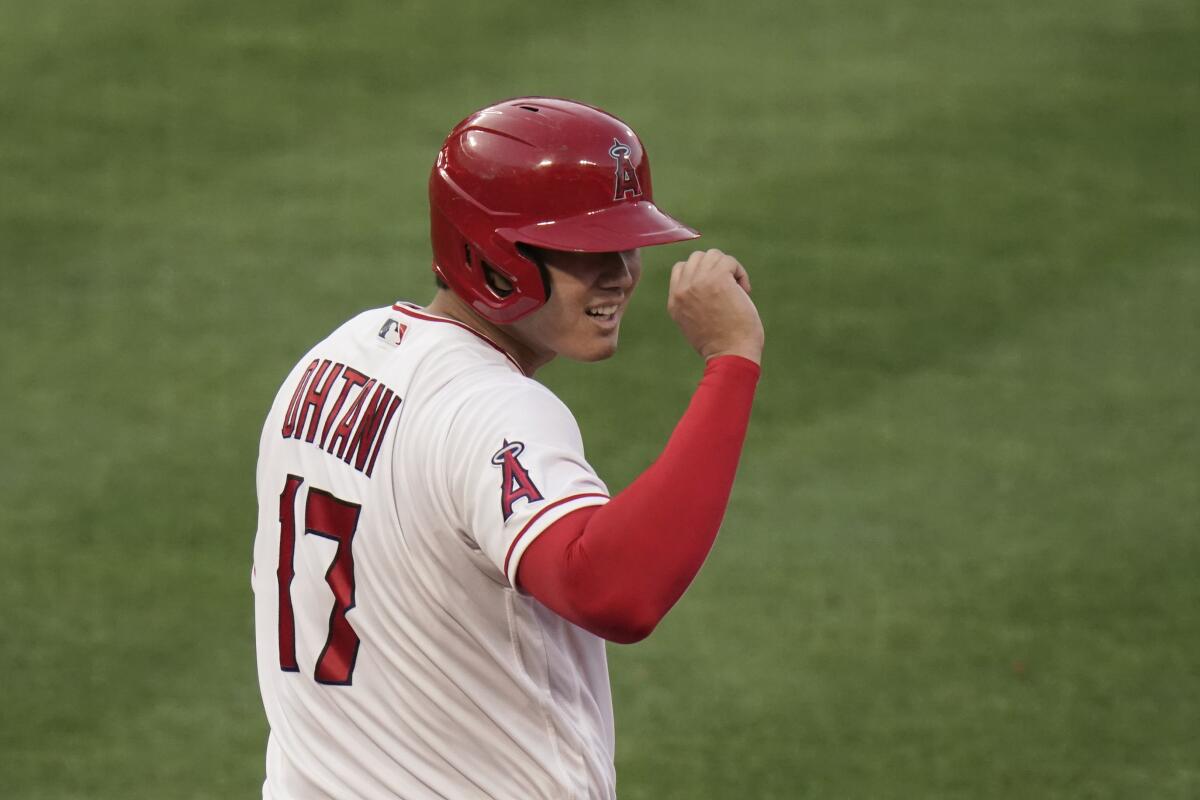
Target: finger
x,y
741,276
729,265
688,270
711,258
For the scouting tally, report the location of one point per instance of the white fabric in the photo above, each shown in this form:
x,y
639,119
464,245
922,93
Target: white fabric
x,y
462,687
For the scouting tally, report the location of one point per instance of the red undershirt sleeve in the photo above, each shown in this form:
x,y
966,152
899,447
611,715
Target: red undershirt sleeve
x,y
617,569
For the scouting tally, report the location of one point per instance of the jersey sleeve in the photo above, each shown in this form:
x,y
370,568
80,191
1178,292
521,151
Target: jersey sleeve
x,y
516,466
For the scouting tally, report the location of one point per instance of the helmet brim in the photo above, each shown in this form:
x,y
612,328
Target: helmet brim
x,y
626,226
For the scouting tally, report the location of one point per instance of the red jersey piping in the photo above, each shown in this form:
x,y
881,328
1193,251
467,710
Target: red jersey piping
x,y
544,509
432,318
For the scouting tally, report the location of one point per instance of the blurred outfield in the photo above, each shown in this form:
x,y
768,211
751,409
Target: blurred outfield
x,y
963,559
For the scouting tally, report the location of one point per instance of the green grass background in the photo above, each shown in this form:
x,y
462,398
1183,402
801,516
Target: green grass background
x,y
963,555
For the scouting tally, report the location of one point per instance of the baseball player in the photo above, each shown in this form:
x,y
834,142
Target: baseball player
x,y
437,567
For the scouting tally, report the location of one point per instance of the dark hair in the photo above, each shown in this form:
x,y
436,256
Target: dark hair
x,y
537,256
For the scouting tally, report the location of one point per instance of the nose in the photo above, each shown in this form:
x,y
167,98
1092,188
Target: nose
x,y
618,270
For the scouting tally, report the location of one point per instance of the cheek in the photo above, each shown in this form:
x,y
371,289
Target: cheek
x,y
569,299
560,317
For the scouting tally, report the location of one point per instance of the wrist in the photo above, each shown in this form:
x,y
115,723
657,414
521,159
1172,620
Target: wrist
x,y
748,352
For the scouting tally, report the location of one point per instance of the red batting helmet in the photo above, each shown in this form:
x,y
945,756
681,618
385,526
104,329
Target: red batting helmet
x,y
544,172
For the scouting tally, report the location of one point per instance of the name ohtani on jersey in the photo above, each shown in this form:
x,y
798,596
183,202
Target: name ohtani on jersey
x,y
353,435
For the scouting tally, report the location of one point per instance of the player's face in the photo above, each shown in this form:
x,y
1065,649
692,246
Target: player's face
x,y
588,296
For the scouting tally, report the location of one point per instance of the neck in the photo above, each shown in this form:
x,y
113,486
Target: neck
x,y
448,304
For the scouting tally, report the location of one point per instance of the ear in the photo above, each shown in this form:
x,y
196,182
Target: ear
x,y
499,284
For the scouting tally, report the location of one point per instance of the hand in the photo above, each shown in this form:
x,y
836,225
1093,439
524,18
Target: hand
x,y
710,302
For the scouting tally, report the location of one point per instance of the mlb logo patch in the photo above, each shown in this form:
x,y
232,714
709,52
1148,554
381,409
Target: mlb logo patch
x,y
392,331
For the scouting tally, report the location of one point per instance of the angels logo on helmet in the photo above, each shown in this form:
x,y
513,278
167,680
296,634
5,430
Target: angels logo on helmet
x,y
626,176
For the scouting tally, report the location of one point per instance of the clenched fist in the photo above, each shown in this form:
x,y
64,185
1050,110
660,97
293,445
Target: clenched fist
x,y
710,302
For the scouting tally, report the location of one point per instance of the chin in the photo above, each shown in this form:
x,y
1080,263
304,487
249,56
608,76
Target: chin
x,y
602,351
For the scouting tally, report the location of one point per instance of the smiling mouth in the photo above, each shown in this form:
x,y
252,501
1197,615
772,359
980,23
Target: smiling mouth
x,y
604,313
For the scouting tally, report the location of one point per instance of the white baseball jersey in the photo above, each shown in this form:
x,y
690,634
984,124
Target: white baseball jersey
x,y
405,466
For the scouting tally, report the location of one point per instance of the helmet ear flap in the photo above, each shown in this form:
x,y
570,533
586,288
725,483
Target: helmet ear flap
x,y
501,292
500,284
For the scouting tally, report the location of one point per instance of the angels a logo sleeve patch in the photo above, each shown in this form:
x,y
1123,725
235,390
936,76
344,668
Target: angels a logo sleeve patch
x,y
515,483
527,470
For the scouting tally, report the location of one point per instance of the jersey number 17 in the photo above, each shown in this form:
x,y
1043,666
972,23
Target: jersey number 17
x,y
330,518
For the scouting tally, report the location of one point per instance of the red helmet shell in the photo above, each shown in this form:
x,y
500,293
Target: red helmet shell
x,y
539,171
